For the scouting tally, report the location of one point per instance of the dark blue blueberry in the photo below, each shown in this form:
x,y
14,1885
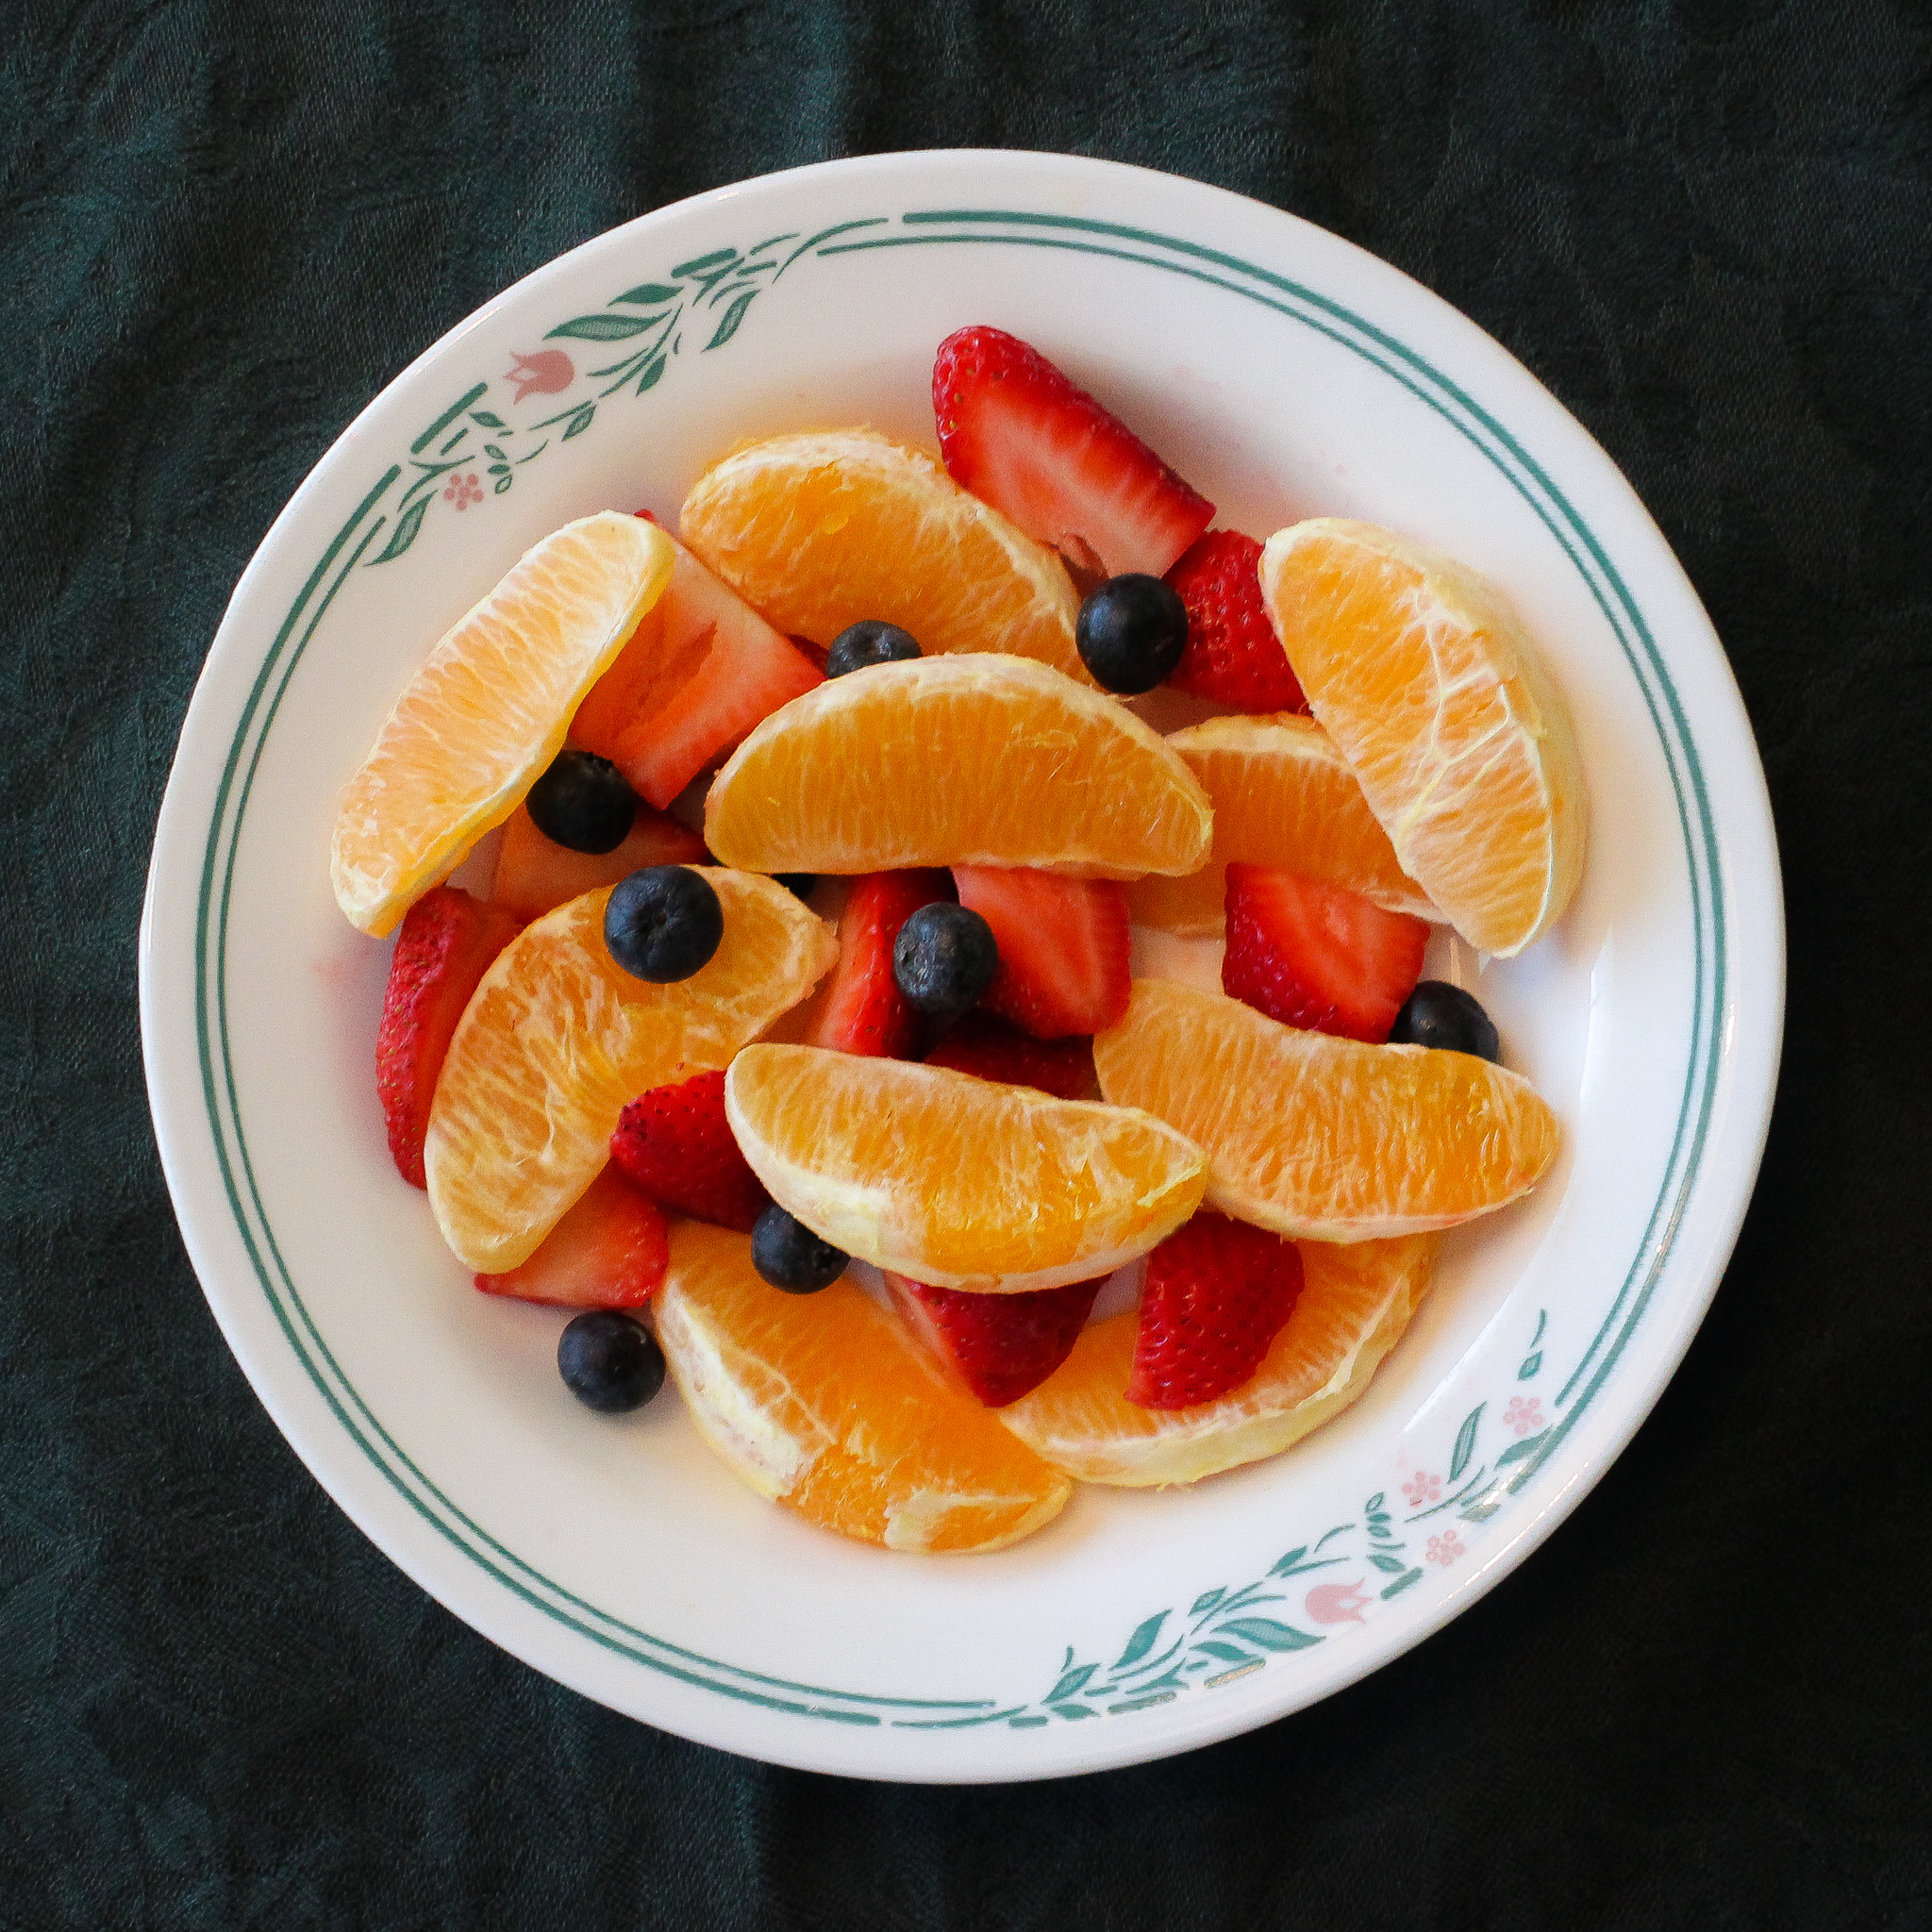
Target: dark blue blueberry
x,y
1130,632
664,923
611,1363
944,958
583,802
868,642
789,1255
798,884
1438,1014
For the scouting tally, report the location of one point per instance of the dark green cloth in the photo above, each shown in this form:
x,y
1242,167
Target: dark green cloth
x,y
1706,226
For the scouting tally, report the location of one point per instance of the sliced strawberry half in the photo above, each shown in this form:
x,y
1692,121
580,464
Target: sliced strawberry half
x,y
444,947
1232,654
534,875
700,671
989,1049
1318,956
1001,1345
675,1144
1064,948
863,1011
1217,1293
1023,438
608,1251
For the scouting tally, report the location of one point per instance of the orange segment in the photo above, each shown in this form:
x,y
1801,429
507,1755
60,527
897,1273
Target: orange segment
x,y
818,530
1325,1139
1432,687
970,760
823,1404
1355,1303
953,1180
557,1036
1283,795
488,711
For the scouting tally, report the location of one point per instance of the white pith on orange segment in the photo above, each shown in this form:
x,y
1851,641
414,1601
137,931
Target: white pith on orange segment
x,y
1436,694
980,760
558,1038
488,711
956,1181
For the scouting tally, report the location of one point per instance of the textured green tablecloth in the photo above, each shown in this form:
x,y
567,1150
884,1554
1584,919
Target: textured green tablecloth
x,y
1706,226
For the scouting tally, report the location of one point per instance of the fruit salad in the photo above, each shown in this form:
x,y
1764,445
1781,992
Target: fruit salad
x,y
796,1045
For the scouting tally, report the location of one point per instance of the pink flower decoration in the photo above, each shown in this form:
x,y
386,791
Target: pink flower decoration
x,y
463,490
1336,1603
1444,1549
542,375
1422,1488
1524,1417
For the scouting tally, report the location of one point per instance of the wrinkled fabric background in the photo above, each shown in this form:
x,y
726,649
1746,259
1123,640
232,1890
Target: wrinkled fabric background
x,y
1705,225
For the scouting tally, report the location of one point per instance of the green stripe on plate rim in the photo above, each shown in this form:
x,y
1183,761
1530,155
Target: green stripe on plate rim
x,y
996,228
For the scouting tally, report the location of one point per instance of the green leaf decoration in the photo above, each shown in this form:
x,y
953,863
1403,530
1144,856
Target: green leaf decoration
x,y
1205,1601
1284,1566
1269,1634
647,295
1028,1724
649,378
504,481
1531,1363
1465,1442
719,258
601,328
1517,1450
1071,1710
580,422
1479,1512
1401,1584
1373,1503
1070,1683
1141,1642
404,532
1226,1652
1383,1560
733,316
489,418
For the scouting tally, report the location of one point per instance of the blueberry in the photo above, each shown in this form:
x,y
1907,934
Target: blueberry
x,y
583,802
789,1255
611,1363
1130,632
1438,1014
664,923
870,642
798,884
944,958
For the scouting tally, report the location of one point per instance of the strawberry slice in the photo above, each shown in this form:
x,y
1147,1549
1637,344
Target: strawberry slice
x,y
700,671
1064,948
1318,956
1020,436
444,947
1217,1293
982,1045
1232,654
675,1145
863,1011
1001,1345
534,876
609,1251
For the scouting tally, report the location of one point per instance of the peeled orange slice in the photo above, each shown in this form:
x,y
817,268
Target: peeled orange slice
x,y
818,530
824,1405
1355,1303
1325,1139
1283,796
488,711
956,1181
1432,687
969,760
557,1036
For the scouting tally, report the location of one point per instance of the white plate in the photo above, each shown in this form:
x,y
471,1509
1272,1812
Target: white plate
x,y
1288,375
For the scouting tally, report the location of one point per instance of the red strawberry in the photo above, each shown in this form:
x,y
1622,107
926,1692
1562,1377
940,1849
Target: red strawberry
x,y
1016,433
444,947
702,669
864,1011
1232,652
983,1045
1318,956
609,1251
675,1144
1064,948
533,875
1217,1293
1002,1345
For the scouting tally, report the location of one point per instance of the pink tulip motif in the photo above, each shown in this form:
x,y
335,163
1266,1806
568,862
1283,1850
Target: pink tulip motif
x,y
1336,1603
542,374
